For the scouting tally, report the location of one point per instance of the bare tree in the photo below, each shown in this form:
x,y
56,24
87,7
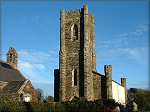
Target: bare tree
x,y
40,94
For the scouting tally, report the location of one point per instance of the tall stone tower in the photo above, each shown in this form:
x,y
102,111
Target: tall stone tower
x,y
77,56
12,57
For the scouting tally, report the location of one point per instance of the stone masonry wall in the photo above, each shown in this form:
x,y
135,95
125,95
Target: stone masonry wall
x,y
108,76
72,48
88,55
77,52
97,85
29,89
62,56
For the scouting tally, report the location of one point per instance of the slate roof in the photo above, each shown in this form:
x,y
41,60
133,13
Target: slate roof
x,y
11,87
8,73
13,77
98,73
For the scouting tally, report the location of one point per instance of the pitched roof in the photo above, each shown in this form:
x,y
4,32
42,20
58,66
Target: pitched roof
x,y
9,73
11,87
98,73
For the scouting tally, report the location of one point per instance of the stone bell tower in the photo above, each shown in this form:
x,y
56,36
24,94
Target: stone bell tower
x,y
12,57
77,57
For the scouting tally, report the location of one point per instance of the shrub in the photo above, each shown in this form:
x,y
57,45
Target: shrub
x,y
76,105
141,98
8,105
110,103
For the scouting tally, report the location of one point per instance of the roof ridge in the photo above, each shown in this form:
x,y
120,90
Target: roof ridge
x,y
21,74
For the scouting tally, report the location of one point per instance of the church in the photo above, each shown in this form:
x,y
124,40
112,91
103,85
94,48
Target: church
x,y
77,75
12,82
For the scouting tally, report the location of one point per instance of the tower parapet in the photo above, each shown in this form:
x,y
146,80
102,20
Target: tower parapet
x,y
71,12
77,11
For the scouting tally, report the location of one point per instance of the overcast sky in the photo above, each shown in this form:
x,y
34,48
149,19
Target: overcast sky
x,y
121,38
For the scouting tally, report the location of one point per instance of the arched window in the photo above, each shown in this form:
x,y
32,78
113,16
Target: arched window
x,y
75,77
74,31
11,58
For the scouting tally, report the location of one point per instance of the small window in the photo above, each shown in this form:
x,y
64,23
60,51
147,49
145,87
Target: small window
x,y
11,58
75,77
74,32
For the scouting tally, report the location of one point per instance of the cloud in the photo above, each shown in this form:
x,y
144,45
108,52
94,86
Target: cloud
x,y
133,52
125,38
31,71
39,66
38,21
115,43
118,47
37,56
47,87
33,64
27,65
142,84
139,30
139,54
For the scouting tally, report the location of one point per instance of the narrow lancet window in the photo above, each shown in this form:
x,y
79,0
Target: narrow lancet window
x,y
75,77
11,58
74,32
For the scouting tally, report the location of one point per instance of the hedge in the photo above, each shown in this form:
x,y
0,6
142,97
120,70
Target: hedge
x,y
77,105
